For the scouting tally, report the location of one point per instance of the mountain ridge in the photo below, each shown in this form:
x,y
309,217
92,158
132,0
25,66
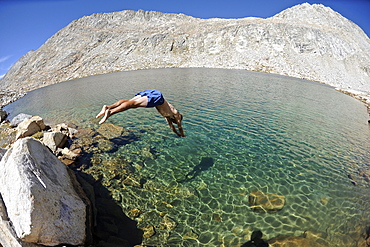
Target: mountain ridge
x,y
306,41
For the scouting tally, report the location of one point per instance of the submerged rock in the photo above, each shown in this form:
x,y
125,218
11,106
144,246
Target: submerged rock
x,y
168,223
105,145
134,213
191,234
307,240
117,135
265,203
149,231
39,196
110,131
365,173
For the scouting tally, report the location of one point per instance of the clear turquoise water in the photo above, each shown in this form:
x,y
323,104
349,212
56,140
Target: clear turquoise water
x,y
280,135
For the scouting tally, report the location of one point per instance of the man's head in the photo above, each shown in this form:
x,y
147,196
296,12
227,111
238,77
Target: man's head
x,y
177,118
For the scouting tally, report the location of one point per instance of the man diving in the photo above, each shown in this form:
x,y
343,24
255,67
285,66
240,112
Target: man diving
x,y
146,98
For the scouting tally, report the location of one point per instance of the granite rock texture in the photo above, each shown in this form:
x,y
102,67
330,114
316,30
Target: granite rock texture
x,y
306,41
30,126
41,202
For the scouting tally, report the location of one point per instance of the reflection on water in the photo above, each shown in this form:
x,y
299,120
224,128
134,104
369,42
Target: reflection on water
x,y
245,132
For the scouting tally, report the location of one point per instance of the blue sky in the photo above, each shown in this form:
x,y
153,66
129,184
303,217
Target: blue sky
x,y
26,24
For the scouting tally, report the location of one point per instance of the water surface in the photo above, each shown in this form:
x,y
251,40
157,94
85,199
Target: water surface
x,y
252,131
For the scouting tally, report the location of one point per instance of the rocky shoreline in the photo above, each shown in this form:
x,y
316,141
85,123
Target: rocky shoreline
x,y
8,96
57,148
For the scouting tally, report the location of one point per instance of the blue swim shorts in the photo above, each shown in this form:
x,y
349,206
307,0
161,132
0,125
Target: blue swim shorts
x,y
155,97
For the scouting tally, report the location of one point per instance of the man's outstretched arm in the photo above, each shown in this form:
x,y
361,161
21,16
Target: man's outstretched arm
x,y
180,128
172,126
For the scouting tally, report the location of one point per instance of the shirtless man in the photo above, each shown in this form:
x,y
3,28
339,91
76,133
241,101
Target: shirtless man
x,y
147,98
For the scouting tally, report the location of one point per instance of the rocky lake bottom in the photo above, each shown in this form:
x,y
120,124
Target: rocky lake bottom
x,y
246,132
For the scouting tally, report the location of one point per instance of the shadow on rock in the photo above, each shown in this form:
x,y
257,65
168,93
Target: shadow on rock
x,y
111,227
106,139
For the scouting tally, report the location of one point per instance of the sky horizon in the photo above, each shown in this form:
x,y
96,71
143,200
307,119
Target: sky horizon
x,y
28,24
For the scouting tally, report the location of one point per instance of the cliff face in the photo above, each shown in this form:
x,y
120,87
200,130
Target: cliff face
x,y
305,41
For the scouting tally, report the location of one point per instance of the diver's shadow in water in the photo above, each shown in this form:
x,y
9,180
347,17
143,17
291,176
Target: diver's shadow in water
x,y
205,164
110,224
256,240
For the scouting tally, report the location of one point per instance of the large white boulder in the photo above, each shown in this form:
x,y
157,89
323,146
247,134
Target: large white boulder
x,y
7,235
39,196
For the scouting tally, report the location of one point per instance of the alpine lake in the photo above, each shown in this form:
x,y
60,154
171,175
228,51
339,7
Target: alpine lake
x,y
245,132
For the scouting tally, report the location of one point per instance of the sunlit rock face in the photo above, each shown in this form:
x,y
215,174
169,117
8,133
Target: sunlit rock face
x,y
305,41
39,197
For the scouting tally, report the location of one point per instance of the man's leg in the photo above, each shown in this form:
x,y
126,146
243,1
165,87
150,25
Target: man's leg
x,y
125,105
118,103
105,107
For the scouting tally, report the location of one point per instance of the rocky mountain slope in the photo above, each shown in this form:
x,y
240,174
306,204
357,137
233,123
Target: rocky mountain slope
x,y
305,41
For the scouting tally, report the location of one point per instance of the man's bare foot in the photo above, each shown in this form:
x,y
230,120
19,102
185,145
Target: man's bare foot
x,y
107,114
101,113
